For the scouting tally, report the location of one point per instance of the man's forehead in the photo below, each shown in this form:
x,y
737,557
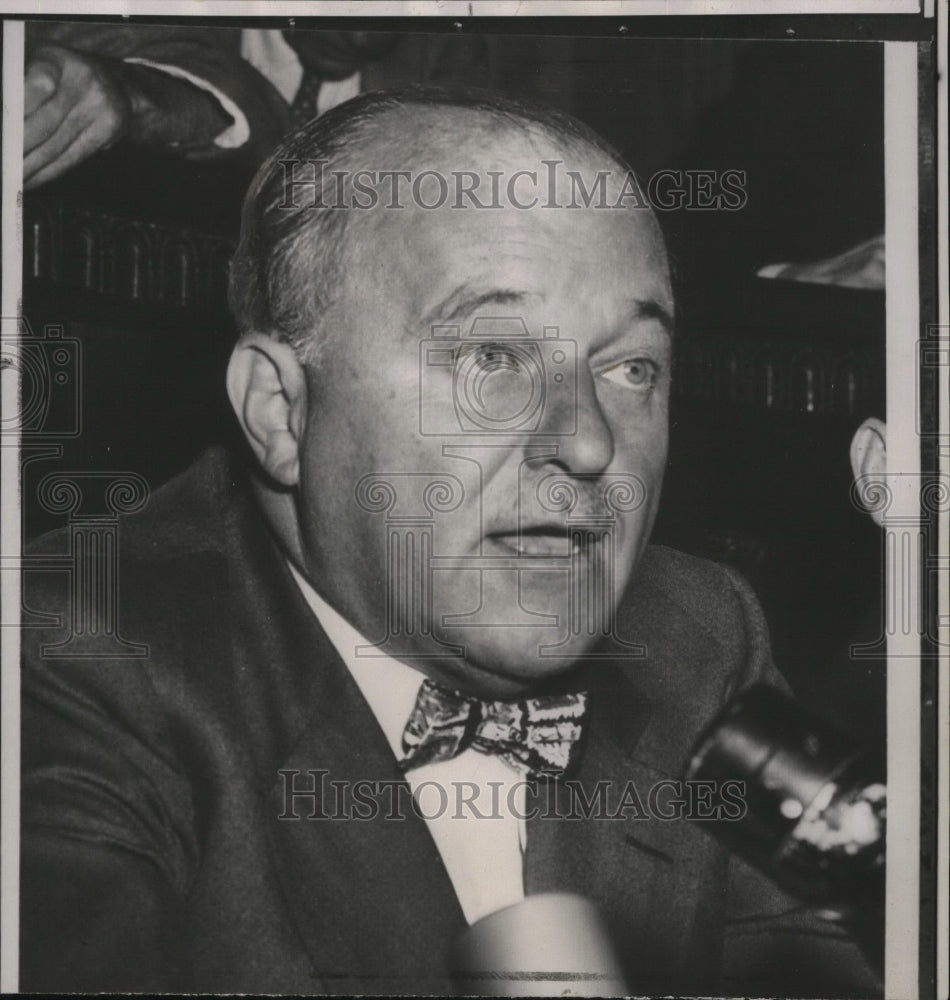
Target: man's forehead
x,y
529,248
471,167
488,197
455,138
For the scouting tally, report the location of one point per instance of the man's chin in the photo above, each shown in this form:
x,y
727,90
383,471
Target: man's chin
x,y
505,661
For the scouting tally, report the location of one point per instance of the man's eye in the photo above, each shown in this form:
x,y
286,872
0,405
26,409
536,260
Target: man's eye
x,y
637,373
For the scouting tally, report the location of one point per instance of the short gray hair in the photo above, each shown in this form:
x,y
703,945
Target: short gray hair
x,y
289,256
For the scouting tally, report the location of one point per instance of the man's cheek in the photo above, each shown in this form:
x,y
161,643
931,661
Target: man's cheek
x,y
455,593
643,461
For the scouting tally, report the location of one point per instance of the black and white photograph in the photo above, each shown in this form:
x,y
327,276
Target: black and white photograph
x,y
475,499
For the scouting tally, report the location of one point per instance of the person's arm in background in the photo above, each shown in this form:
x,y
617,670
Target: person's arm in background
x,y
76,104
185,90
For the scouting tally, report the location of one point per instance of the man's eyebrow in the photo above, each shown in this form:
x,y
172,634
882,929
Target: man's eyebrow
x,y
465,301
652,309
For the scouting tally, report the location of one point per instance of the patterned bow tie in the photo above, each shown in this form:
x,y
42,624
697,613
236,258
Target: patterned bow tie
x,y
538,736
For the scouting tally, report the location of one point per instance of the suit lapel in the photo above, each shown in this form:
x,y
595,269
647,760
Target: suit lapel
x,y
370,897
647,874
367,894
572,846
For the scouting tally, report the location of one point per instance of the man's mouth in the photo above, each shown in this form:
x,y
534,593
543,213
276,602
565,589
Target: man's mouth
x,y
542,541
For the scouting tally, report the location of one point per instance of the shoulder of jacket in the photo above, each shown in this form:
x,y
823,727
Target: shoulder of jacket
x,y
713,594
689,578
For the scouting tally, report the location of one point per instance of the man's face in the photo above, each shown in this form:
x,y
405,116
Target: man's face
x,y
475,489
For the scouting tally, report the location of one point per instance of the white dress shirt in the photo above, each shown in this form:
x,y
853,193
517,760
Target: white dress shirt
x,y
268,52
473,805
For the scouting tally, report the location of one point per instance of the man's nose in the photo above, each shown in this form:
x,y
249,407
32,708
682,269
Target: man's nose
x,y
584,439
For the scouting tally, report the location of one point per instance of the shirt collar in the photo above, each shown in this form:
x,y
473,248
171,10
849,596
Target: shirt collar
x,y
389,686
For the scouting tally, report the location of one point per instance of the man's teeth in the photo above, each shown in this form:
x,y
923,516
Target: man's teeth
x,y
544,546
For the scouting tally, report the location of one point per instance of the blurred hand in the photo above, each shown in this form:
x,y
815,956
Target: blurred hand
x,y
74,106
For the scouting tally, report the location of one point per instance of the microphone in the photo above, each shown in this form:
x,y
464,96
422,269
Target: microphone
x,y
815,822
552,944
816,803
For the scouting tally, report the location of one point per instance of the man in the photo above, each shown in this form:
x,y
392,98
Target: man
x,y
454,391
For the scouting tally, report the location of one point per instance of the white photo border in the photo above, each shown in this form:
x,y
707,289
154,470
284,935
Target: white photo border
x,y
904,431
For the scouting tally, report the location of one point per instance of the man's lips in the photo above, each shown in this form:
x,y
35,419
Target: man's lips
x,y
542,540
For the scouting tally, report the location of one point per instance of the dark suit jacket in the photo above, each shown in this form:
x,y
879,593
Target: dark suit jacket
x,y
152,852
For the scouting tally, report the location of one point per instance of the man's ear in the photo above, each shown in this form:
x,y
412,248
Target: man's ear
x,y
869,457
267,386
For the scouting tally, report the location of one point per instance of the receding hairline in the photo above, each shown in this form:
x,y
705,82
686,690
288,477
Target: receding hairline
x,y
413,129
402,130
443,141
450,138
